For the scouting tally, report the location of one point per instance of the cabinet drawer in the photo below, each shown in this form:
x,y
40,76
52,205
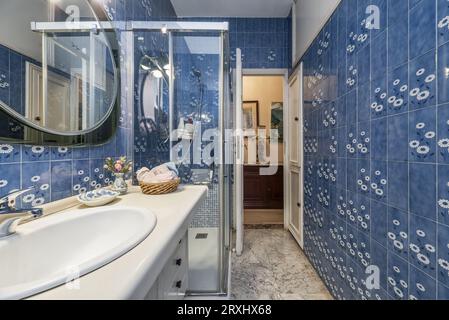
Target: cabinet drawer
x,y
178,259
172,283
174,288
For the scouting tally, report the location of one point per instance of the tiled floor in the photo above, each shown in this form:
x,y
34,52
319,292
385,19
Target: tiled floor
x,y
274,267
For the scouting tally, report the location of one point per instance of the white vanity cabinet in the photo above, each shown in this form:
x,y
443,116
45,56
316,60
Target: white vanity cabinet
x,y
173,281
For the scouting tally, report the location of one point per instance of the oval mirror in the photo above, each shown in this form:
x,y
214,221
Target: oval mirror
x,y
57,70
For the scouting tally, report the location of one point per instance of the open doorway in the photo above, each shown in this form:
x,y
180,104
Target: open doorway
x,y
263,110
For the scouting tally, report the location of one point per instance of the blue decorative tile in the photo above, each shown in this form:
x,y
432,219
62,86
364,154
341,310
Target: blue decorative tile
x,y
363,103
422,135
36,174
443,255
9,153
398,180
443,194
398,138
379,259
422,81
81,153
61,180
377,182
423,245
379,96
443,21
422,28
35,153
96,173
398,90
363,65
398,273
4,58
379,139
363,140
81,176
9,178
398,232
390,206
398,33
379,56
443,134
61,153
363,176
422,287
379,222
443,73
351,73
443,292
423,190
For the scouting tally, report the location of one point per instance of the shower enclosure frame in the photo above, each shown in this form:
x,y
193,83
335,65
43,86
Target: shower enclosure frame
x,y
127,28
222,28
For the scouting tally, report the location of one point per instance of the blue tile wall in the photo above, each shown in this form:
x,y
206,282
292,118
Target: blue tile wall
x,y
265,42
378,123
61,172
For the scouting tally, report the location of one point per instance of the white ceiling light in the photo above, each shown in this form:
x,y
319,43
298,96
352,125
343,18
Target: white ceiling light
x,y
157,74
233,8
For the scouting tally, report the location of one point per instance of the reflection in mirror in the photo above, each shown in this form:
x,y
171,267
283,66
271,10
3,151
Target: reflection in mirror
x,y
61,82
153,105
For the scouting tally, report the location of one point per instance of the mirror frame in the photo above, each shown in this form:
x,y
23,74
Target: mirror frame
x,y
98,134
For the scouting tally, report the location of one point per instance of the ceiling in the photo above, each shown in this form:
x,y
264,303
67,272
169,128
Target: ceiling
x,y
232,8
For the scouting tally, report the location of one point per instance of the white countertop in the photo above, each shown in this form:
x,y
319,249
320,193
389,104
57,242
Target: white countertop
x,y
132,275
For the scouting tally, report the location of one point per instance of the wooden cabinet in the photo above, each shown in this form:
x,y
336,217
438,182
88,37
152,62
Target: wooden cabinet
x,y
261,191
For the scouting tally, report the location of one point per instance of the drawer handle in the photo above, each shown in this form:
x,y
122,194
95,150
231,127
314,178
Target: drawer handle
x,y
178,262
179,284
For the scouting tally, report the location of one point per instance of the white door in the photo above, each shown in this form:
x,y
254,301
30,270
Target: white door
x,y
295,158
239,154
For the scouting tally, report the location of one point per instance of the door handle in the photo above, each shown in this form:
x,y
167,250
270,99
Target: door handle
x,y
299,205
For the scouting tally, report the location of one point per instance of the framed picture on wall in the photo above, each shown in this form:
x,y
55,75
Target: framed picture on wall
x,y
277,119
250,115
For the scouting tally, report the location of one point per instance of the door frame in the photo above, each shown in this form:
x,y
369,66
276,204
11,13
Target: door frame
x,y
286,166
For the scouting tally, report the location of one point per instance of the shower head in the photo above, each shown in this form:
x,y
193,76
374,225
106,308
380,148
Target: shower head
x,y
197,73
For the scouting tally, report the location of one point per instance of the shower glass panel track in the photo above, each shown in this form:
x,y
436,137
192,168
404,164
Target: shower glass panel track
x,y
182,110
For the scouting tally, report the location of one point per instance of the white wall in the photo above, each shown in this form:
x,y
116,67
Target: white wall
x,y
15,27
310,17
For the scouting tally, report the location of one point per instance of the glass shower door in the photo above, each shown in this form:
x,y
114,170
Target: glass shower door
x,y
197,117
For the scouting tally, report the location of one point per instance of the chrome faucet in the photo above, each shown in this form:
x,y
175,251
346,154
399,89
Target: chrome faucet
x,y
10,216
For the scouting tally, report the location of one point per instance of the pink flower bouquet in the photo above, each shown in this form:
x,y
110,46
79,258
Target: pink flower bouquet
x,y
121,165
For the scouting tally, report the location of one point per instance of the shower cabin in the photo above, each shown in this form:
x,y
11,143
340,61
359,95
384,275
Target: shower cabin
x,y
182,109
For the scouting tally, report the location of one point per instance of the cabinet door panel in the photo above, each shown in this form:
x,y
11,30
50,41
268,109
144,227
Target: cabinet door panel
x,y
294,187
255,191
294,121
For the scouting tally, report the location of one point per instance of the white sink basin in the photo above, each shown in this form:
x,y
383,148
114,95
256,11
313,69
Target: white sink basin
x,y
46,253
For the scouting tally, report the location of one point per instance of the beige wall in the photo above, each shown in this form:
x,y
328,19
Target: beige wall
x,y
266,90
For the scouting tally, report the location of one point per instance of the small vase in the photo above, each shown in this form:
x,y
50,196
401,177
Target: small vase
x,y
120,185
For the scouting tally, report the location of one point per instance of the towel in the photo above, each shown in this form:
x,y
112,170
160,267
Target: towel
x,y
163,173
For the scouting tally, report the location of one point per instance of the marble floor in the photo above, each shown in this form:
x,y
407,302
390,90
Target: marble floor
x,y
273,267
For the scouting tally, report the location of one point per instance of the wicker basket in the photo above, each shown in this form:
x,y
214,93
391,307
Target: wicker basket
x,y
160,188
